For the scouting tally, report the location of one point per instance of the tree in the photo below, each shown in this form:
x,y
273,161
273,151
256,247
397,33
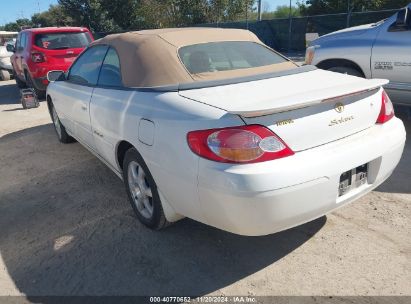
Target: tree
x,y
17,26
283,11
54,16
318,7
89,13
124,13
230,10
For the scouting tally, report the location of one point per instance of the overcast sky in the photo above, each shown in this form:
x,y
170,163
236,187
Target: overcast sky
x,y
25,8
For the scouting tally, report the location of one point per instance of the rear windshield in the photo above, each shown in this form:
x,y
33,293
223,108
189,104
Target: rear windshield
x,y
61,41
226,56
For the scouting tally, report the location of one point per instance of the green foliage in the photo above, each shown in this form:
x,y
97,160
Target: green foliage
x,y
229,10
89,13
54,16
108,15
318,7
283,11
16,26
123,15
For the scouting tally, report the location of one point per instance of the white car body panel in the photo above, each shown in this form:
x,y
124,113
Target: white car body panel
x,y
257,199
253,199
310,124
280,94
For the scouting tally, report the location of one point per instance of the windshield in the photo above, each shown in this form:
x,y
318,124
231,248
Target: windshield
x,y
227,56
59,41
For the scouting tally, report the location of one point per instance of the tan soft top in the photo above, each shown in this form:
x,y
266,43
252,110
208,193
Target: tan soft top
x,y
150,58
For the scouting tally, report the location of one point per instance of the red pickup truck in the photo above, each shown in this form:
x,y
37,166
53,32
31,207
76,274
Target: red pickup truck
x,y
40,50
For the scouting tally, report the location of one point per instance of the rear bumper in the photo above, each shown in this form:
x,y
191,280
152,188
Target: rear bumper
x,y
40,83
38,72
264,198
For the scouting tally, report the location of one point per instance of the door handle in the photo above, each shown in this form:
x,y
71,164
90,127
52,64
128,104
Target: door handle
x,y
83,107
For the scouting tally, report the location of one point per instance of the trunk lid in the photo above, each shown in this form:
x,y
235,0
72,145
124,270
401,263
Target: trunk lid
x,y
305,109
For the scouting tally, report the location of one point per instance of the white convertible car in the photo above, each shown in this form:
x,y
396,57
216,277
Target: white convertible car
x,y
213,125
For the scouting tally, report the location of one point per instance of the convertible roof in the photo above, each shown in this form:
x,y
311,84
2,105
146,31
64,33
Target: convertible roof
x,y
149,58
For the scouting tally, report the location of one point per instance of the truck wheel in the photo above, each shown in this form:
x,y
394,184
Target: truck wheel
x,y
142,191
20,84
61,132
346,70
4,75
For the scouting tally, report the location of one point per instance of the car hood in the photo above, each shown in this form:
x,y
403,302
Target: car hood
x,y
348,32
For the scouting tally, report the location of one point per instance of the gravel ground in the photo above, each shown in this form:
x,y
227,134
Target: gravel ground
x,y
67,229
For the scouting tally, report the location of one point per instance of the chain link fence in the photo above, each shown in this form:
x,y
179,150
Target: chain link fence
x,y
275,32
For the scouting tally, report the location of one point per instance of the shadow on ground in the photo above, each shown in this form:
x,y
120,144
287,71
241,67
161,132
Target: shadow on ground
x,y
10,94
67,229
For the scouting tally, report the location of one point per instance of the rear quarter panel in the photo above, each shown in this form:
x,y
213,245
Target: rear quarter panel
x,y
118,114
349,46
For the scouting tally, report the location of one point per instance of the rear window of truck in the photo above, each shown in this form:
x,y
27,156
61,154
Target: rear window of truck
x,y
61,41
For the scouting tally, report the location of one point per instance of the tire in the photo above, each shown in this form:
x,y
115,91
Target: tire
x,y
21,84
30,84
4,75
142,191
346,70
61,132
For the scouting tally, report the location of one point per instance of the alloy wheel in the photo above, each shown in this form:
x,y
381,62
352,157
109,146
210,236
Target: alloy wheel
x,y
140,190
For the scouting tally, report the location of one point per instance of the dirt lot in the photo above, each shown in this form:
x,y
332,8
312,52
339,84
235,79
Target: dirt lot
x,y
67,229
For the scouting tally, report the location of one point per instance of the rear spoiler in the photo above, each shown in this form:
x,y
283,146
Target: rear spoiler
x,y
355,91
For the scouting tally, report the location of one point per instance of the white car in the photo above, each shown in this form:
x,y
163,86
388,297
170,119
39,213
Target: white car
x,y
213,125
6,69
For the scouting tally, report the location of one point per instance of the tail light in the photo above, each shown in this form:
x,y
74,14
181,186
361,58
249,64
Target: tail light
x,y
387,109
243,144
37,57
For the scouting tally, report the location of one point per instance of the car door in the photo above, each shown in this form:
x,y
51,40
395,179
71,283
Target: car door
x,y
107,107
391,59
18,54
75,93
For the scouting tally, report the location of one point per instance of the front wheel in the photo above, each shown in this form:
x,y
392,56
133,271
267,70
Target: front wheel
x,y
61,132
142,191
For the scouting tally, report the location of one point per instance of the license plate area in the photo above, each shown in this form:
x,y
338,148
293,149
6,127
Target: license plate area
x,y
353,179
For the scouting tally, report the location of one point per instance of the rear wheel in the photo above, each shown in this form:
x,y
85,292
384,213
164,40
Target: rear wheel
x,y
21,84
142,191
30,84
346,70
4,75
61,132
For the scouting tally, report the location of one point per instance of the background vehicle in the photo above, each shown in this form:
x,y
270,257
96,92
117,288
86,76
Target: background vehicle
x,y
6,70
39,50
379,50
213,125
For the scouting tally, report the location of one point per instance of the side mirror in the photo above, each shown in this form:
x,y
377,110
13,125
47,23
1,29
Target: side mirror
x,y
403,18
56,76
10,48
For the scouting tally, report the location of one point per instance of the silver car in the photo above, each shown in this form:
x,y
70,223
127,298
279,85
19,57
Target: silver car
x,y
378,50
